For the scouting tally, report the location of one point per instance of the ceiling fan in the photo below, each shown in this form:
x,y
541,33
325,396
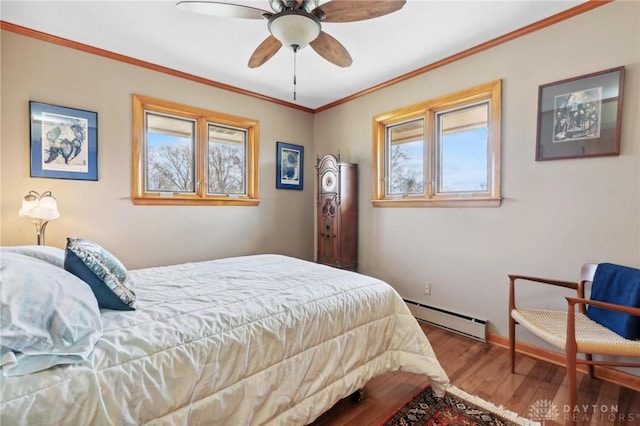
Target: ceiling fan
x,y
297,23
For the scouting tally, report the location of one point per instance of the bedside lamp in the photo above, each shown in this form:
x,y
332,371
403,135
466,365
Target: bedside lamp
x,y
41,208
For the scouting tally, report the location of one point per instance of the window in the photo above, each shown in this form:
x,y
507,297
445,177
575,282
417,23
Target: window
x,y
186,155
441,153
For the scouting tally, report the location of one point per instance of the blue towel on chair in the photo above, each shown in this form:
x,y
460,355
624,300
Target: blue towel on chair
x,y
620,285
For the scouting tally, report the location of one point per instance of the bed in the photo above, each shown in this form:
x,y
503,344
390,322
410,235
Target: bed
x,y
250,340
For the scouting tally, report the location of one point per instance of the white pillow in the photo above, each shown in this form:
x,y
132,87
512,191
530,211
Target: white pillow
x,y
47,315
53,255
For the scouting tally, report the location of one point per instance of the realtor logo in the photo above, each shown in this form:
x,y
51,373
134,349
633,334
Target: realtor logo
x,y
543,409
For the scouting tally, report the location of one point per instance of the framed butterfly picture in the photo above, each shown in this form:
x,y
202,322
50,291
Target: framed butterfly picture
x,y
64,142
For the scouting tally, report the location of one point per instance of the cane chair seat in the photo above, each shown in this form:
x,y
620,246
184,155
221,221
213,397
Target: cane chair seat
x,y
591,337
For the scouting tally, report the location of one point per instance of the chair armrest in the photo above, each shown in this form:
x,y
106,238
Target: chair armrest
x,y
558,283
568,284
611,306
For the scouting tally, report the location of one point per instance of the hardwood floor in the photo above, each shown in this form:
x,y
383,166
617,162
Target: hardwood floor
x,y
484,370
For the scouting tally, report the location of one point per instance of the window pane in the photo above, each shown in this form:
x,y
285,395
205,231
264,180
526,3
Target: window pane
x,y
405,154
226,165
463,160
169,153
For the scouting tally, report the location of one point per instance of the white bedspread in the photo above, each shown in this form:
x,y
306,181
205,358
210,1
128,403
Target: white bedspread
x,y
251,340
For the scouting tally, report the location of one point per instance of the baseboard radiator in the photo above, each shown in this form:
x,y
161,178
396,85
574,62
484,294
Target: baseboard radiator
x,y
462,324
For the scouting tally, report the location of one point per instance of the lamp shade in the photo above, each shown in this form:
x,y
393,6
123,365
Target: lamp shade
x,y
294,28
28,204
38,206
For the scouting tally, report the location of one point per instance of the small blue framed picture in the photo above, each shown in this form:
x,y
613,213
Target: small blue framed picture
x,y
289,166
64,142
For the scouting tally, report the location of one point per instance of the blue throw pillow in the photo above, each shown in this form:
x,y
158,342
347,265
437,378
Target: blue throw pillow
x,y
620,285
105,274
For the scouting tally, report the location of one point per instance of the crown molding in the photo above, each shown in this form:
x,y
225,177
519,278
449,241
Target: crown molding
x,y
559,17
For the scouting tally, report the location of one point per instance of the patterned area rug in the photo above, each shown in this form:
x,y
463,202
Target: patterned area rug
x,y
455,408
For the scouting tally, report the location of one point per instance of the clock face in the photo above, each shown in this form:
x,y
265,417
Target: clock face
x,y
329,181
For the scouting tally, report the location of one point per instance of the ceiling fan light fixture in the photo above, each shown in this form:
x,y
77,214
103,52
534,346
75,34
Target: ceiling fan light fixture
x,y
294,28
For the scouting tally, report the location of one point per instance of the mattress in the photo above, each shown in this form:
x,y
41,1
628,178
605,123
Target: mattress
x,y
251,340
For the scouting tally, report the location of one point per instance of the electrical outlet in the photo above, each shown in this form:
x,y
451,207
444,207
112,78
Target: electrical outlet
x,y
427,288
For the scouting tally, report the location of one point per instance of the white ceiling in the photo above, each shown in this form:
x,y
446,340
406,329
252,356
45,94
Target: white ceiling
x,y
218,49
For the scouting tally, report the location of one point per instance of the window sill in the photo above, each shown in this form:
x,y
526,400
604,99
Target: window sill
x,y
455,203
170,201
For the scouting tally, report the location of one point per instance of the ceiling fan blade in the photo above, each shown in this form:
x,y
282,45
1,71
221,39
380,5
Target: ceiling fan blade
x,y
264,51
331,50
222,9
358,10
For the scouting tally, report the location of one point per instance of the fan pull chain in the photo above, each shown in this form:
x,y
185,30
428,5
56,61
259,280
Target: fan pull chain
x,y
295,48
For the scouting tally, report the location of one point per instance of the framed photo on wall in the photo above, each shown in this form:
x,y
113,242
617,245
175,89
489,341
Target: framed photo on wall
x,y
580,117
64,142
289,166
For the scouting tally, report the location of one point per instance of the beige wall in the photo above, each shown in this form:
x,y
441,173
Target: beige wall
x,y
142,235
555,216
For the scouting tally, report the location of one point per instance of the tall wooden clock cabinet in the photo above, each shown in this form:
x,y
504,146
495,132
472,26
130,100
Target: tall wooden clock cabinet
x,y
337,213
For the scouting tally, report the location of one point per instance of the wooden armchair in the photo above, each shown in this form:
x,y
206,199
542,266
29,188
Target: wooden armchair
x,y
572,330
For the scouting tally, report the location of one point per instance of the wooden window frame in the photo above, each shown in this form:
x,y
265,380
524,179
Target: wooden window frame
x,y
140,196
490,92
